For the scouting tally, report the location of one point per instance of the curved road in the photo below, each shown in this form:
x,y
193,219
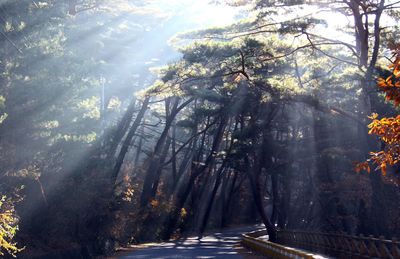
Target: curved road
x,y
225,244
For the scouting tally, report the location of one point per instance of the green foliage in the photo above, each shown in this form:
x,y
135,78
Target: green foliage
x,y
186,124
209,95
91,107
277,3
205,111
243,79
2,102
8,228
298,25
3,116
203,52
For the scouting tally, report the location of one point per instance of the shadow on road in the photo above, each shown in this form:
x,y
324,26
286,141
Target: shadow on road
x,y
225,244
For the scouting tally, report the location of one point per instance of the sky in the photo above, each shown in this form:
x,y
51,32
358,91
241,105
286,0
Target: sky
x,y
187,15
139,36
179,16
202,13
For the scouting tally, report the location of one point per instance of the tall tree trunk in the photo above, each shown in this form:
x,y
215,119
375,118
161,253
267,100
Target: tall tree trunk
x,y
226,204
121,130
257,197
196,170
211,199
276,206
179,203
160,168
260,160
173,150
128,138
138,152
154,163
285,205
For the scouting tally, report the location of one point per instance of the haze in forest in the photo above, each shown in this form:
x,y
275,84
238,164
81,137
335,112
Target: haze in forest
x,y
126,122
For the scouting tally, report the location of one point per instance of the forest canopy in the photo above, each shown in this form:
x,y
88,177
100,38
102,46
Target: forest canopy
x,y
123,122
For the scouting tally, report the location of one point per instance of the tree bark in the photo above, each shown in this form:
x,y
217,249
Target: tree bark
x,y
122,127
211,199
195,172
128,139
257,197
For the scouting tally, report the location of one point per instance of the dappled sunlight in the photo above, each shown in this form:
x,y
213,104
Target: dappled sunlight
x,y
213,246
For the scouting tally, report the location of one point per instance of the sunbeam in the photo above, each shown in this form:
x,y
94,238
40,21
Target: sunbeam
x,y
220,127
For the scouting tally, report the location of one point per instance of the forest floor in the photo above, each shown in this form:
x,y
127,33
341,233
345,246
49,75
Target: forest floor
x,y
224,244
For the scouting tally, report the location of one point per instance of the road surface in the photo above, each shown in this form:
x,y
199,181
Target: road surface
x,y
225,244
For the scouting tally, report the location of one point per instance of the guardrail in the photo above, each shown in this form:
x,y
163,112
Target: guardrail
x,y
340,245
271,249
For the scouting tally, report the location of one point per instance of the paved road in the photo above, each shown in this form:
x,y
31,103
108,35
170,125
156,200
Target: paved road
x,y
217,245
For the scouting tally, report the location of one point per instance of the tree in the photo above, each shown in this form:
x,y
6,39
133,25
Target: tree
x,y
387,129
8,228
8,220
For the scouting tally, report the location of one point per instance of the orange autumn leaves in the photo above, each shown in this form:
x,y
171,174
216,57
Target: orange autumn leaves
x,y
391,85
387,129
